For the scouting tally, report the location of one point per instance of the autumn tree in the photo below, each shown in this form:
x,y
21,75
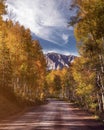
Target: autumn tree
x,y
2,10
58,83
89,31
5,64
28,62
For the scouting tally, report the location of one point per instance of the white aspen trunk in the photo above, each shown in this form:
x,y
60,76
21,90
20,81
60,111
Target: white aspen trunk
x,y
99,102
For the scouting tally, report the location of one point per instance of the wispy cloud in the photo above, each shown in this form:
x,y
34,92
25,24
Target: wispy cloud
x,y
46,18
61,52
65,37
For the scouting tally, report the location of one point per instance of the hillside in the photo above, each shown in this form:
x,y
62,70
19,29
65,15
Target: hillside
x,y
8,105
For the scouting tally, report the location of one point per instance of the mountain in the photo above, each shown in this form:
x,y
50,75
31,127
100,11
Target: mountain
x,y
57,61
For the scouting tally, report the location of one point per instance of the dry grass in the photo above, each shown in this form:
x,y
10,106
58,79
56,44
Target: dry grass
x,y
7,107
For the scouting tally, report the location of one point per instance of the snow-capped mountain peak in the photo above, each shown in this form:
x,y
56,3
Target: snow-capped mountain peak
x,y
58,61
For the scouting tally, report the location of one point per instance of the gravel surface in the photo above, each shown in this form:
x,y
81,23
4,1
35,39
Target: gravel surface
x,y
55,115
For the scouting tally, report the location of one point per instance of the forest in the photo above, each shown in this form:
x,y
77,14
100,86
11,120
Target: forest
x,y
22,63
23,74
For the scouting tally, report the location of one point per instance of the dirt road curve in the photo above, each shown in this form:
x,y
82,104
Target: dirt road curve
x,y
56,115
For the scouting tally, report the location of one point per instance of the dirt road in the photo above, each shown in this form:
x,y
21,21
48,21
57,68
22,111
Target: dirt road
x,y
56,115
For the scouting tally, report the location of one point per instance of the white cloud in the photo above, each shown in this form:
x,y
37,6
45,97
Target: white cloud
x,y
44,17
60,52
65,37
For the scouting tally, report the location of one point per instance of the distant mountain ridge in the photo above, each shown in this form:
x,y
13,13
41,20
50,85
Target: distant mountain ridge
x,y
57,61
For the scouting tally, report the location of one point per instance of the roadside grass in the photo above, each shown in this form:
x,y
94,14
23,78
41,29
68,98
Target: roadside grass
x,y
11,106
8,107
95,115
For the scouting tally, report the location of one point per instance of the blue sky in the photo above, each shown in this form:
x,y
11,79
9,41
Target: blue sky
x,y
47,19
